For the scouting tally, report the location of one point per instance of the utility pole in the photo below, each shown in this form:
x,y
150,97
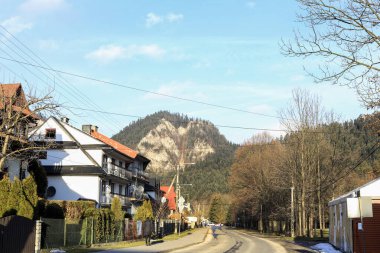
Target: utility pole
x,y
177,198
178,195
292,211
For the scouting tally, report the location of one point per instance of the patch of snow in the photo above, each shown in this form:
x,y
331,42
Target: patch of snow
x,y
325,248
57,251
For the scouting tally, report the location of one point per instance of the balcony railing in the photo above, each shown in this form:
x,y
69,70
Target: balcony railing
x,y
107,198
115,170
140,174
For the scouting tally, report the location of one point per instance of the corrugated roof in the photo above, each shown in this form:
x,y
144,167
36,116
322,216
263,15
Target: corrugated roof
x,y
352,193
116,145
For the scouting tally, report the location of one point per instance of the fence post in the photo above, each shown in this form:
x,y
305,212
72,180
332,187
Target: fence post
x,y
85,233
37,243
64,232
92,230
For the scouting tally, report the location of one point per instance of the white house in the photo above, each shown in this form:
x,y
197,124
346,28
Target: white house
x,y
84,164
354,234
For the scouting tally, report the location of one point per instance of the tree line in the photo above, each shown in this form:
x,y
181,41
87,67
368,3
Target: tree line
x,y
315,161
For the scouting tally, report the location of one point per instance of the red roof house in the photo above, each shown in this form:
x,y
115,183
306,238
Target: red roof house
x,y
170,196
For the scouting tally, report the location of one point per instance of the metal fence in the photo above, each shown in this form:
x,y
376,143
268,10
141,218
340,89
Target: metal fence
x,y
63,233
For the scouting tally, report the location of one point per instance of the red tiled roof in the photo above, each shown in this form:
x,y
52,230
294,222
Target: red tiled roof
x,y
170,196
8,91
116,145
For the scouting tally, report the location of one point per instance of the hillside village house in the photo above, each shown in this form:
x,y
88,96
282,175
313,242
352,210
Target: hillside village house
x,y
12,97
88,165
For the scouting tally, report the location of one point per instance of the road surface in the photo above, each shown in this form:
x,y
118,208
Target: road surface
x,y
233,241
223,241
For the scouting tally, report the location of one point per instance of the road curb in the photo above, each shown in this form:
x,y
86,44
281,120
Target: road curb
x,y
192,244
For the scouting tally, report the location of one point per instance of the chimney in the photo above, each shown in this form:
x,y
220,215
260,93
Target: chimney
x,y
65,120
94,128
89,128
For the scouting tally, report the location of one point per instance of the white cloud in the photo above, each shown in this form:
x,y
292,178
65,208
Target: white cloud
x,y
251,4
174,17
48,44
108,53
152,19
151,51
16,24
40,6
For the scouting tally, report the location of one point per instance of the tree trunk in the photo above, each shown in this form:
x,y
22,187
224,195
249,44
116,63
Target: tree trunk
x,y
4,150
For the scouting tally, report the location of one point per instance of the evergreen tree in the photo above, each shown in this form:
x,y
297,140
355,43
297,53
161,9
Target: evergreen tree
x,y
39,175
5,186
144,212
116,208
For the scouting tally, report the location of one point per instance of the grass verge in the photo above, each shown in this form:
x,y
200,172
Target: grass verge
x,y
119,245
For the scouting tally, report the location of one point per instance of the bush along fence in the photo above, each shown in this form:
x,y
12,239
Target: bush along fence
x,y
98,229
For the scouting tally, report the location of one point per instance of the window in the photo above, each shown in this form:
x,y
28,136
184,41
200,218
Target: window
x,y
104,185
120,164
112,188
120,189
105,158
50,133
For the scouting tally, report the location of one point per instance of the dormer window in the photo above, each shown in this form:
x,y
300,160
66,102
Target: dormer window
x,y
50,133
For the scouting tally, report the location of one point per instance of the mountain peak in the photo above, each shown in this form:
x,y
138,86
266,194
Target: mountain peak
x,y
168,139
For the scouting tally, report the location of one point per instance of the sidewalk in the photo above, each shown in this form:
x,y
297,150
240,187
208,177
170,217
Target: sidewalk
x,y
197,237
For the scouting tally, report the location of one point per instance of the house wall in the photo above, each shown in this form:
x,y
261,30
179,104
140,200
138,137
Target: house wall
x,y
14,167
62,136
368,238
97,155
74,187
66,157
340,228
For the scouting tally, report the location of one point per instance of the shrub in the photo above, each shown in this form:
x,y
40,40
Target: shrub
x,y
5,185
71,210
54,210
116,208
144,212
29,199
39,175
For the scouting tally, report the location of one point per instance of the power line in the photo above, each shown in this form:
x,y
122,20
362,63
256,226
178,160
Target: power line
x,y
218,125
68,85
139,89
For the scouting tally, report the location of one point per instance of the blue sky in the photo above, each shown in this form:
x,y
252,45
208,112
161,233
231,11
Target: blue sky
x,y
223,52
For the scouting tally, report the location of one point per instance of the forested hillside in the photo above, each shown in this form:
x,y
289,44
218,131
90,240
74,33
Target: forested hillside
x,y
318,161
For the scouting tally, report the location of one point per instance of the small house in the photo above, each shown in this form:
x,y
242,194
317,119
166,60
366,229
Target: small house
x,y
350,232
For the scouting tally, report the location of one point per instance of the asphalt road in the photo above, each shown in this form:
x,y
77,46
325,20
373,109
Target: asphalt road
x,y
233,241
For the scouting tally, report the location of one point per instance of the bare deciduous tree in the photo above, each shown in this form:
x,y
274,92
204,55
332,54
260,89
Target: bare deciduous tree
x,y
18,114
345,36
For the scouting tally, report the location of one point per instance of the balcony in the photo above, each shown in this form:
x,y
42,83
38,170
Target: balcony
x,y
106,199
140,174
112,169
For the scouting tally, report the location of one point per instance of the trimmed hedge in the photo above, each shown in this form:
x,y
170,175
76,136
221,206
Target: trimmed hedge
x,y
71,210
18,197
104,222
